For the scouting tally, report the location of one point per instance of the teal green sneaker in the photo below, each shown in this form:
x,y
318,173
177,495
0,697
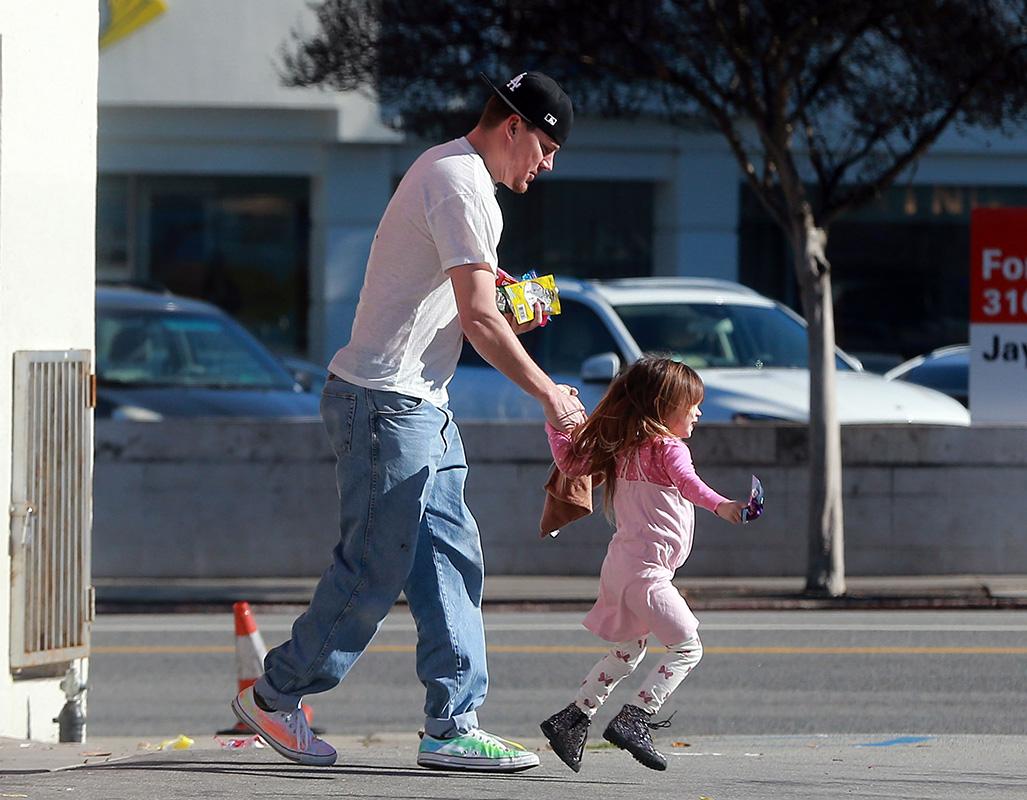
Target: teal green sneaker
x,y
474,750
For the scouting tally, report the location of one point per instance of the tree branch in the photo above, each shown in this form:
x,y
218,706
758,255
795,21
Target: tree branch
x,y
871,188
738,57
829,68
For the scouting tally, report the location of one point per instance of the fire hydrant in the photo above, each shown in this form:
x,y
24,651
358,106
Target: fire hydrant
x,y
71,721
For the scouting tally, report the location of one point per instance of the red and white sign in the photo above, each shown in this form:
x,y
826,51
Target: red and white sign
x,y
998,315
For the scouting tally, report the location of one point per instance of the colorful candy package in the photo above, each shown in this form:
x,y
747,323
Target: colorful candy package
x,y
518,297
755,507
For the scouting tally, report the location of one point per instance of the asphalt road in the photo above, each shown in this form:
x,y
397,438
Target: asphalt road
x,y
765,673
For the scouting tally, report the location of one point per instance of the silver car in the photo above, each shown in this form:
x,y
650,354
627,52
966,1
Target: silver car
x,y
750,351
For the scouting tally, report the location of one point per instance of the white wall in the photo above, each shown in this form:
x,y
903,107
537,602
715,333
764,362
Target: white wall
x,y
48,69
224,54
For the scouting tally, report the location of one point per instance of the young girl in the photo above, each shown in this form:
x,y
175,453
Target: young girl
x,y
633,439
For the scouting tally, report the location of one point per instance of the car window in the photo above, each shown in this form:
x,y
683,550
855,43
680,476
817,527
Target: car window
x,y
946,375
719,334
571,337
529,341
164,349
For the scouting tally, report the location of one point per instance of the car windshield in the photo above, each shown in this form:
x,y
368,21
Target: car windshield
x,y
139,348
704,335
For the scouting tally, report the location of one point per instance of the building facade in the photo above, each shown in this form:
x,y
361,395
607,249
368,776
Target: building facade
x,y
217,181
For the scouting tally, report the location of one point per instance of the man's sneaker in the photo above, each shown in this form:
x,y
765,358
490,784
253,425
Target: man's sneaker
x,y
288,733
474,750
629,730
566,731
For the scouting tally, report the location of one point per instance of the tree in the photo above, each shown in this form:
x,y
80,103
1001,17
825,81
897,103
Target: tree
x,y
824,104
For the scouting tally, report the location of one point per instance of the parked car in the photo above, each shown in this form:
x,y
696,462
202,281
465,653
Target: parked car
x,y
750,351
159,355
946,369
310,376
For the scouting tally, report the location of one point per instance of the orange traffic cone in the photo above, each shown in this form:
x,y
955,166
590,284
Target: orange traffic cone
x,y
249,647
249,659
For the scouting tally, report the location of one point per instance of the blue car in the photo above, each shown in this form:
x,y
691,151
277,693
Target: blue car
x,y
159,355
946,369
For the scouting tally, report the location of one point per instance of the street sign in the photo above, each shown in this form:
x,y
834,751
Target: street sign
x,y
998,315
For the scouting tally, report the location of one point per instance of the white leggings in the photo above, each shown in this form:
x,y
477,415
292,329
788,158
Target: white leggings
x,y
622,660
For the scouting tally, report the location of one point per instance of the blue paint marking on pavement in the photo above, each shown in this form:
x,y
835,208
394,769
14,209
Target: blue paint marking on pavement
x,y
898,740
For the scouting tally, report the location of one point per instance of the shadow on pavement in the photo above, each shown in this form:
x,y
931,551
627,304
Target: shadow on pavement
x,y
294,771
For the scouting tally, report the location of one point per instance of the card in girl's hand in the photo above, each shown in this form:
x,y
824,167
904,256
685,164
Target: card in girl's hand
x,y
755,506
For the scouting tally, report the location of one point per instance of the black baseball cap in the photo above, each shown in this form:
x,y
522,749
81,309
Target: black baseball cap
x,y
540,100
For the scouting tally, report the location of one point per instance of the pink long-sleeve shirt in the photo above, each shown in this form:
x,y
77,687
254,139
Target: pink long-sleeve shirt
x,y
657,489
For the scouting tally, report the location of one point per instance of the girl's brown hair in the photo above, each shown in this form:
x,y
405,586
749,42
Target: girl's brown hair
x,y
635,409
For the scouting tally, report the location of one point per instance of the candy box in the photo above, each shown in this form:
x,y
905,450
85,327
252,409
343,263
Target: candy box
x,y
519,297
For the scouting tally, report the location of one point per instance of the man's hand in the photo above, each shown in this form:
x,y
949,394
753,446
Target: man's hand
x,y
540,319
563,409
731,510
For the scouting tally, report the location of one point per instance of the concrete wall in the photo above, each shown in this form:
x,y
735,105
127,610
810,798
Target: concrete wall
x,y
48,67
243,499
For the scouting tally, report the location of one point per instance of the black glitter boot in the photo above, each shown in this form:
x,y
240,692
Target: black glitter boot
x,y
629,730
566,731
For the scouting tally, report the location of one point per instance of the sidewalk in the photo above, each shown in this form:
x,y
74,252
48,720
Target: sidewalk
x,y
915,591
799,767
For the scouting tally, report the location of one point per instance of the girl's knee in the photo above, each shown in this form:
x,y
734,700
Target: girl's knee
x,y
689,651
629,652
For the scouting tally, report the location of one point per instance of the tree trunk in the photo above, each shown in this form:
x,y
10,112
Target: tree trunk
x,y
825,568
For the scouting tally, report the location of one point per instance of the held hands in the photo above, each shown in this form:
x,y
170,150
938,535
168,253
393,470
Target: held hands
x,y
563,409
731,510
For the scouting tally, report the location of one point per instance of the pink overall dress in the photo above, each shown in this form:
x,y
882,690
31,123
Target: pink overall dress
x,y
654,505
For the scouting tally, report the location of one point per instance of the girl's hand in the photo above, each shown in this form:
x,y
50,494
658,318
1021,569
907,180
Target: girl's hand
x,y
731,510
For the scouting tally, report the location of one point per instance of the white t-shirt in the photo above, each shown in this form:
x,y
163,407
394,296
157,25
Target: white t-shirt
x,y
406,334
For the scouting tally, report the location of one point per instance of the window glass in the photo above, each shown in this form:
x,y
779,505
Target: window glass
x,y
948,375
113,262
573,336
705,335
530,341
238,242
900,278
587,229
563,344
155,349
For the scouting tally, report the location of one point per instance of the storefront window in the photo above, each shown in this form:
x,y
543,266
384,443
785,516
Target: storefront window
x,y
587,229
238,242
113,245
900,272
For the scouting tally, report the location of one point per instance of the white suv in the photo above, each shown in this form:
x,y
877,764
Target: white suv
x,y
750,351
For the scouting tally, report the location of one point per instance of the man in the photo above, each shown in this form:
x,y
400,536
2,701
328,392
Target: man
x,y
430,282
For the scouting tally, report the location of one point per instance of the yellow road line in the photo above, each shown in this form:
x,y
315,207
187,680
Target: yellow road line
x,y
570,649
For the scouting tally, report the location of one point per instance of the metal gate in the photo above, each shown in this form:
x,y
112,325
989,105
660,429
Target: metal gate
x,y
51,507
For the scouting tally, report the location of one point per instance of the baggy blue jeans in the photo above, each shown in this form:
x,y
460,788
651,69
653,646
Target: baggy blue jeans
x,y
404,525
